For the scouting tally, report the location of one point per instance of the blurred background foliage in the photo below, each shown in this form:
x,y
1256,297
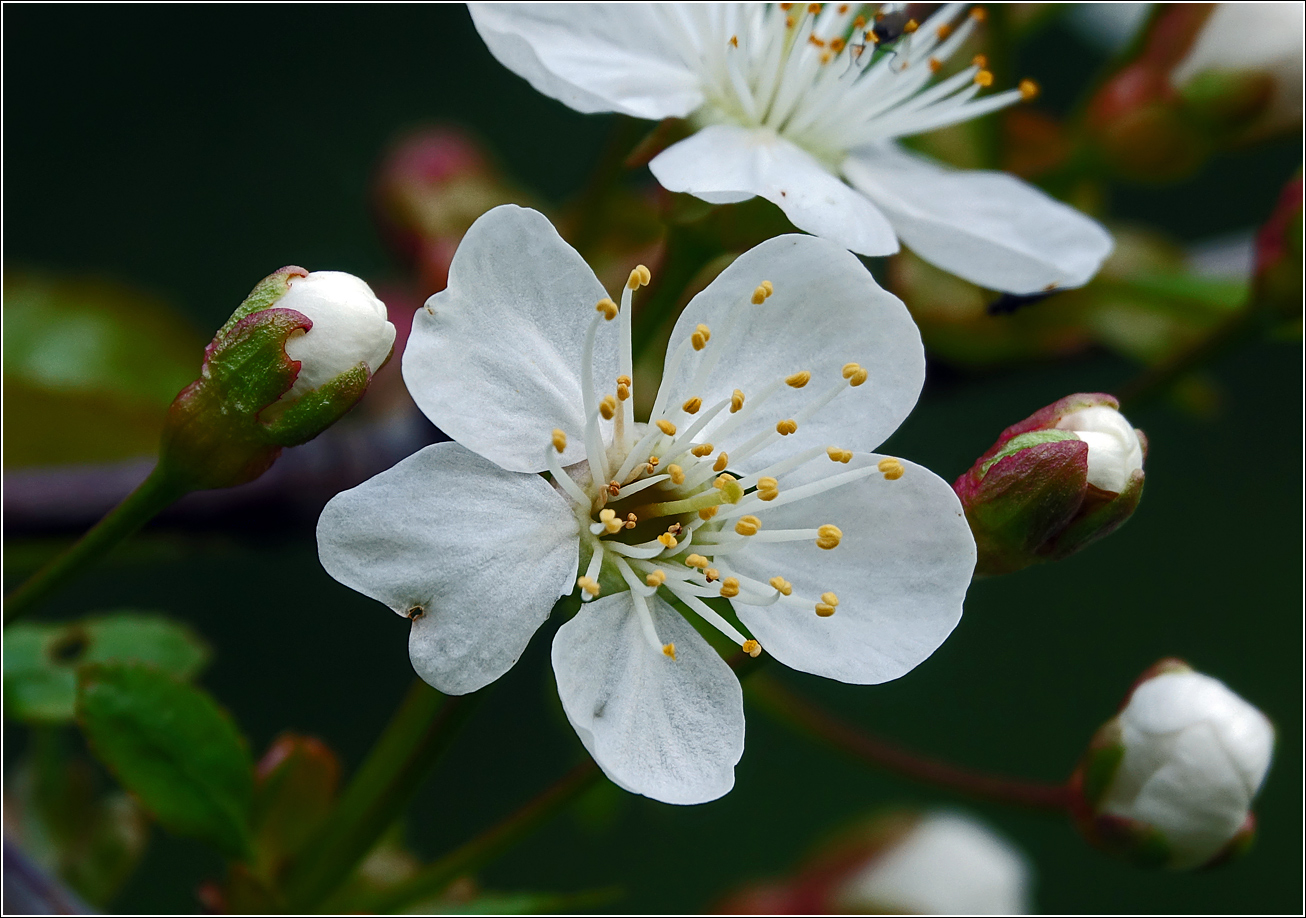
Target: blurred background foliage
x,y
160,160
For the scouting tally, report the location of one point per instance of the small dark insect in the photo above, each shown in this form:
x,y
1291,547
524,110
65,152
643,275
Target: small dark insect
x,y
889,24
1008,303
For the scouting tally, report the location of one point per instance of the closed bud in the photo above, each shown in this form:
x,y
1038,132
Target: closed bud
x,y
1169,781
1057,481
296,355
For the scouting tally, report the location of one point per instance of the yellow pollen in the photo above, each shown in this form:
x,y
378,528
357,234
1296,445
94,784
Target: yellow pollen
x,y
703,449
781,586
843,9
872,37
639,277
785,428
935,65
657,578
768,287
751,647
653,462
767,488
667,539
1028,90
748,525
589,585
786,6
943,31
702,335
631,520
826,57
813,8
813,40
736,400
798,380
859,23
734,41
980,61
667,427
828,536
707,513
623,392
911,26
722,461
830,599
614,487
849,369
711,575
984,78
979,14
677,474
669,650
697,561
608,407
759,295
891,468
624,380
790,22
837,44
824,609
692,405
729,587
608,308
559,439
839,455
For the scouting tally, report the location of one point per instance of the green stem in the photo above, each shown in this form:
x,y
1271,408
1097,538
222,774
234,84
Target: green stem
x,y
154,494
810,719
436,877
417,734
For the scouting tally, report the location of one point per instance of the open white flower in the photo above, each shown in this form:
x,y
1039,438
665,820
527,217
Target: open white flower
x,y
790,101
753,481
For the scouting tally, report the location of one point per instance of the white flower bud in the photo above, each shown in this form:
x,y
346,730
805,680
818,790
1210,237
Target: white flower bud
x,y
1195,755
1114,450
349,327
946,864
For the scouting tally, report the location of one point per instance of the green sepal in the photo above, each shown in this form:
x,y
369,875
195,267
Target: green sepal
x,y
1137,842
173,748
248,364
1103,513
41,660
265,293
318,409
1101,763
1024,441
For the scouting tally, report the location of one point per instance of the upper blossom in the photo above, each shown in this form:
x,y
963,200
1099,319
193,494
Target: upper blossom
x,y
796,103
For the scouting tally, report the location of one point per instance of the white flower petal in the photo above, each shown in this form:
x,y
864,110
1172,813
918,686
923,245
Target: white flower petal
x,y
900,574
495,359
987,227
593,57
485,552
826,311
669,729
722,162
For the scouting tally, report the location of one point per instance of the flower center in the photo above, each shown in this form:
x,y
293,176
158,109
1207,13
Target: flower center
x,y
831,77
659,505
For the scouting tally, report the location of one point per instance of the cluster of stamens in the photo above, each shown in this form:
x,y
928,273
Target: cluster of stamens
x,y
660,509
836,76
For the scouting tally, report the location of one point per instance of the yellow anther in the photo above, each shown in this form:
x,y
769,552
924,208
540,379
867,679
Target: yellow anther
x,y
608,308
701,336
729,587
1028,89
943,31
669,650
588,584
872,38
608,407
751,647
891,468
980,61
668,540
767,488
707,513
813,8
911,26
624,380
677,474
667,427
768,287
559,439
614,487
824,609
736,400
631,520
748,525
759,295
859,23
711,575
692,405
623,392
722,460
790,22
734,41
984,78
645,276
935,65
813,40
781,586
839,455
697,561
657,578
799,379
828,536
703,449
785,428
858,377
851,369
826,57
830,599
979,14
837,44
639,277
652,463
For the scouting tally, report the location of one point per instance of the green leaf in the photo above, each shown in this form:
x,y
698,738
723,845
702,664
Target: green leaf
x,y
89,369
41,660
172,746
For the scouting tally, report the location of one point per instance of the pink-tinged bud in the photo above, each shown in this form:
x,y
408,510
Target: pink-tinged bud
x,y
296,355
1168,781
905,863
1278,279
1063,477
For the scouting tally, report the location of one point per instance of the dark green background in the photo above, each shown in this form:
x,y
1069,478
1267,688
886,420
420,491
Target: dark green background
x,y
191,150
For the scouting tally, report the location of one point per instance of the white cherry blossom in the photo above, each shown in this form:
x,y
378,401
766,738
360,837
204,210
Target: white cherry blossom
x,y
804,109
754,481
